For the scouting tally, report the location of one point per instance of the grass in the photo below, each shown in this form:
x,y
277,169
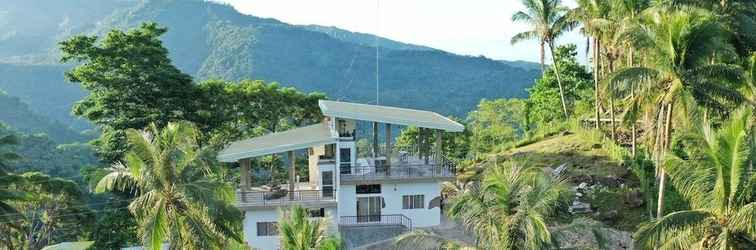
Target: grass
x,y
590,156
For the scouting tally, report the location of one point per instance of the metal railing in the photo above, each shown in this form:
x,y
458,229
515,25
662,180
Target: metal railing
x,y
398,172
283,197
369,220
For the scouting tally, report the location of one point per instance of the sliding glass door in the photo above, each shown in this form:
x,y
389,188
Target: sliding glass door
x,y
369,209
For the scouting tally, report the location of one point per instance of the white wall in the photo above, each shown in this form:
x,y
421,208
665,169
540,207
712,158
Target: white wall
x,y
250,229
272,215
392,194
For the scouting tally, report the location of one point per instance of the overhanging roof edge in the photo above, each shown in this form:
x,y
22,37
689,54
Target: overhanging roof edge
x,y
273,150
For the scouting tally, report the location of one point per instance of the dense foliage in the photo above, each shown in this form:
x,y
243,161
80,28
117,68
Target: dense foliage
x,y
179,198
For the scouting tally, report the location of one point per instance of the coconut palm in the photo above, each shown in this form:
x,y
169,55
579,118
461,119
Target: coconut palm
x,y
177,199
679,47
509,207
593,15
548,20
720,186
299,232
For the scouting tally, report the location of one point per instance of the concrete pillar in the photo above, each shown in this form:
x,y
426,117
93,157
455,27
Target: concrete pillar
x,y
388,145
375,140
244,174
439,142
292,174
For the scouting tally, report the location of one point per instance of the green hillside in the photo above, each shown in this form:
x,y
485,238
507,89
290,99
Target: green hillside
x,y
17,115
219,42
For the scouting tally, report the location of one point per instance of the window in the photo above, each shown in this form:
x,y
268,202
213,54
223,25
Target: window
x,y
327,184
267,228
413,201
317,212
369,189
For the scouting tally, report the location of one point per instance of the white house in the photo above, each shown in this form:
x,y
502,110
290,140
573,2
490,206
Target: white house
x,y
386,186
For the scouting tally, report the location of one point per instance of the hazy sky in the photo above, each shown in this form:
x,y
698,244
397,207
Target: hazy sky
x,y
471,27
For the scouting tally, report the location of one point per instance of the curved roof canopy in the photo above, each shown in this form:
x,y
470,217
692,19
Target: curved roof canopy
x,y
293,139
391,115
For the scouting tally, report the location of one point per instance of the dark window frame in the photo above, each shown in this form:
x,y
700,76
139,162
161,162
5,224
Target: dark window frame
x,y
368,189
267,228
413,201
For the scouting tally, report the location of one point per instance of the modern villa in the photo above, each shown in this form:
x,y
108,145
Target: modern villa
x,y
384,187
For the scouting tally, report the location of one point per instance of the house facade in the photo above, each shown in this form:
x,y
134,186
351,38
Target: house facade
x,y
375,186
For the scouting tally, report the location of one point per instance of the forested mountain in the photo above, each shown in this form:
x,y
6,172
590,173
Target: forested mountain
x,y
18,115
211,40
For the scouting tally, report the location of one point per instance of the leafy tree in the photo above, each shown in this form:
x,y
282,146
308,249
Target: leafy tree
x,y
721,187
549,20
7,212
509,207
542,101
131,84
232,111
7,155
679,46
55,212
178,198
299,232
496,123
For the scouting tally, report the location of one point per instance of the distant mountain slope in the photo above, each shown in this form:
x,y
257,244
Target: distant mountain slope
x,y
44,89
363,38
210,40
17,115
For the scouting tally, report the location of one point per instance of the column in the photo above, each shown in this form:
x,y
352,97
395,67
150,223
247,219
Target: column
x,y
292,174
244,174
375,140
388,145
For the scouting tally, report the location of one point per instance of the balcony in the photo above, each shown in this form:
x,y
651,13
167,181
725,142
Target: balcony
x,y
405,164
377,220
249,199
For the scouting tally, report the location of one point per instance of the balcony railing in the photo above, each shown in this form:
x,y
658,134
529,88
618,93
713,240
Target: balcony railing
x,y
370,220
283,197
422,171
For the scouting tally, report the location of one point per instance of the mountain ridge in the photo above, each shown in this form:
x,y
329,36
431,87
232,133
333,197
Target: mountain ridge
x,y
219,42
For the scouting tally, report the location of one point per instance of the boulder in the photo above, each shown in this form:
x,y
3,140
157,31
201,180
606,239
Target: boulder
x,y
634,199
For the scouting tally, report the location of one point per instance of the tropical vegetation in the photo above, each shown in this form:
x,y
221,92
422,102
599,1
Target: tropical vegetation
x,y
654,131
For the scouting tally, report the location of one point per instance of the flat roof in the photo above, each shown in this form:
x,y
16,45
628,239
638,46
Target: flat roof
x,y
391,115
293,139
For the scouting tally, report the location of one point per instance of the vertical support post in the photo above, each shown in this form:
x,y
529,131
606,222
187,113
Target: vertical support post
x,y
292,174
375,140
426,144
244,174
439,145
388,145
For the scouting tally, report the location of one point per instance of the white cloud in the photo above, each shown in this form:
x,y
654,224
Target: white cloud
x,y
473,27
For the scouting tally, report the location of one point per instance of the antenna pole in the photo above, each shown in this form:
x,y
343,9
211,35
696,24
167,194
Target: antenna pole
x,y
377,55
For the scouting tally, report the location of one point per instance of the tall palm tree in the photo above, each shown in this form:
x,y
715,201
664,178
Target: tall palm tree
x,y
548,20
593,15
679,47
177,199
508,209
720,186
299,232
